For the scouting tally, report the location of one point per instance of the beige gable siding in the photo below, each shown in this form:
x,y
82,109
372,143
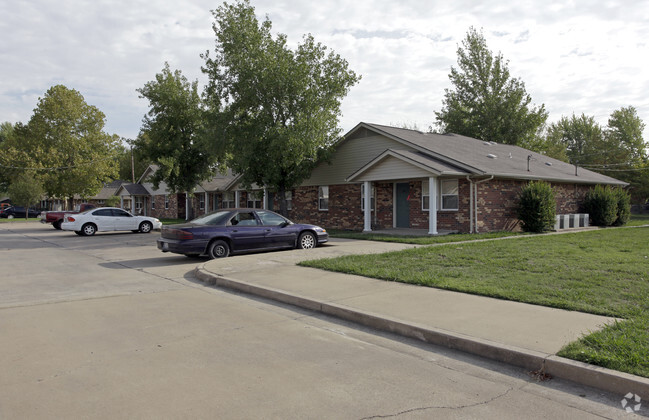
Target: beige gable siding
x,y
350,156
392,168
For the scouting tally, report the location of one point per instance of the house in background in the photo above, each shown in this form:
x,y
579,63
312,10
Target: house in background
x,y
413,180
106,193
384,177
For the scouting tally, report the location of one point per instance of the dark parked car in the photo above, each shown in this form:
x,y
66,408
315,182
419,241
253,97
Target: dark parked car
x,y
16,211
232,231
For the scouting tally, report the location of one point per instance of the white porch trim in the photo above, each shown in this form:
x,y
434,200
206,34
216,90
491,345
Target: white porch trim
x,y
367,199
432,204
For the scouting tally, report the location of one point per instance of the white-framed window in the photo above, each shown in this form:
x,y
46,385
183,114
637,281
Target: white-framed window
x,y
323,197
425,195
138,202
254,199
449,194
228,200
372,202
166,202
201,201
289,200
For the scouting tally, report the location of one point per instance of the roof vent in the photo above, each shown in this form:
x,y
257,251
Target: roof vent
x,y
548,163
486,143
491,156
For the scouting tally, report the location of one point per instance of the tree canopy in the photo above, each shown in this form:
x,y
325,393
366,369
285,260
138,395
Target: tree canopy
x,y
275,110
617,150
486,102
172,134
64,145
25,191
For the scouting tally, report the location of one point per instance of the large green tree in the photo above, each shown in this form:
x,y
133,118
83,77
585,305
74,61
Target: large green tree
x,y
25,190
6,131
173,134
64,143
486,102
626,152
617,150
132,162
276,110
582,137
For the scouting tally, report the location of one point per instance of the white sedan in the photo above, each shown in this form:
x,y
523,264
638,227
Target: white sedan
x,y
108,219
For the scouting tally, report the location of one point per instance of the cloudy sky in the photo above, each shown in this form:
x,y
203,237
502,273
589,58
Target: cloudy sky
x,y
587,56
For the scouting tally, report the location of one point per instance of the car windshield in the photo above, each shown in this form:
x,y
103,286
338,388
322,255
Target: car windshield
x,y
216,218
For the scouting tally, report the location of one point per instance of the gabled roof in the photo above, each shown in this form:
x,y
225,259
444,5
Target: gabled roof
x,y
220,182
133,189
109,190
417,159
150,170
477,157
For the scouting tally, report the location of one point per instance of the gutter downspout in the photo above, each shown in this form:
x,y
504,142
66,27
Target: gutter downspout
x,y
471,186
475,202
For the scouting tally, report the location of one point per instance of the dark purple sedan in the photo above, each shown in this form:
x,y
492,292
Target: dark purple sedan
x,y
233,231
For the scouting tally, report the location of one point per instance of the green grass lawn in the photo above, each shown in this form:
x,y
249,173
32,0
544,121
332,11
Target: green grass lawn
x,y
420,240
20,219
172,221
603,272
639,220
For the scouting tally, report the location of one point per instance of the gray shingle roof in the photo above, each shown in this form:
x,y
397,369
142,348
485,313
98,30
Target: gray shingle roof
x,y
484,158
136,189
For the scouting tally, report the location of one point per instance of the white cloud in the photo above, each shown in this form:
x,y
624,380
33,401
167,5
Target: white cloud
x,y
574,56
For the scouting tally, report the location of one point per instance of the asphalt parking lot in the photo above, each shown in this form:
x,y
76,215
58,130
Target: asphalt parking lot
x,y
109,327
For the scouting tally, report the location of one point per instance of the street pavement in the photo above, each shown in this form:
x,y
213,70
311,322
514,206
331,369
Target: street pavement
x,y
108,327
521,334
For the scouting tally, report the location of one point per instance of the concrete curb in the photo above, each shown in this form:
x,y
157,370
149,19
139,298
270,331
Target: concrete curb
x,y
582,373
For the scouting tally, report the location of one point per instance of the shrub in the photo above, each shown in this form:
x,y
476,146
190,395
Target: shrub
x,y
601,205
536,207
623,206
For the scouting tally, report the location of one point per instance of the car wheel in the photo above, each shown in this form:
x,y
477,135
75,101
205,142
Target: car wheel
x,y
57,224
145,227
88,229
218,249
307,240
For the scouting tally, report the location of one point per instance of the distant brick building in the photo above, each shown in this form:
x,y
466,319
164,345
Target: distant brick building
x,y
437,182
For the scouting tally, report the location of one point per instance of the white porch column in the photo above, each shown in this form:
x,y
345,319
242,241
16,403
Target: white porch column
x,y
121,201
367,202
432,200
265,203
236,199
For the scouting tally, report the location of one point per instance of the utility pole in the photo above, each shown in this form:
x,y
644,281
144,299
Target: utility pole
x,y
132,166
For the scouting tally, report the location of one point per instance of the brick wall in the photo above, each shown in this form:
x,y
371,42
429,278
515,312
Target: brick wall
x,y
344,207
160,211
497,200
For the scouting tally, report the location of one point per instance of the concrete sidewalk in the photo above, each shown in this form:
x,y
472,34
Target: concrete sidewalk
x,y
524,335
